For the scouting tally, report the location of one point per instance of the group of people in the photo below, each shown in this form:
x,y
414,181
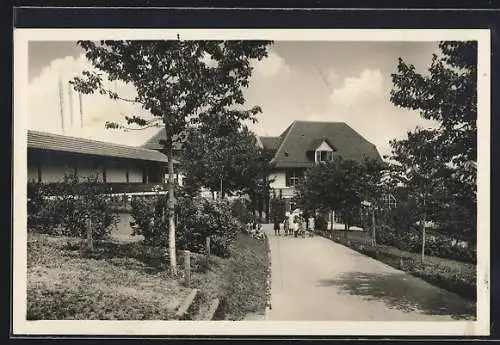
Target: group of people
x,y
293,224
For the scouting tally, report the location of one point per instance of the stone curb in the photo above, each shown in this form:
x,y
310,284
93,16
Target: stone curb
x,y
183,309
269,278
214,305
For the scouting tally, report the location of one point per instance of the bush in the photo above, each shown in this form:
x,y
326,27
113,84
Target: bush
x,y
240,209
72,209
42,212
397,228
320,223
197,218
149,214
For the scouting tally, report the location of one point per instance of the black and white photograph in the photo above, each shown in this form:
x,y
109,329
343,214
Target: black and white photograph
x,y
253,181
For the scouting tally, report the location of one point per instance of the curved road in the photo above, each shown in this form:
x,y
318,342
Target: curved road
x,y
316,279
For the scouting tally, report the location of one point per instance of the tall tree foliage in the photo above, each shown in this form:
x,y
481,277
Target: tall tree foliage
x,y
180,83
226,163
339,185
438,165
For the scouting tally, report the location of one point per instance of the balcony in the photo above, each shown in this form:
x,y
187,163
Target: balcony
x,y
111,188
285,193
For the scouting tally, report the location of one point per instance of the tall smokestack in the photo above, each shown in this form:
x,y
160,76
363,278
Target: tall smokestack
x,y
70,97
81,109
61,104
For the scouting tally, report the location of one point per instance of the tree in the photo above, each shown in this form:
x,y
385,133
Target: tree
x,y
439,165
340,185
180,83
227,163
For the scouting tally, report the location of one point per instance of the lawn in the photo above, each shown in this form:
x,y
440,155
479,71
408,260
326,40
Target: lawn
x,y
118,281
129,280
455,276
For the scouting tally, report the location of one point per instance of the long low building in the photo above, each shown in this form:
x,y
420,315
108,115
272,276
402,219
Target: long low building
x,y
122,168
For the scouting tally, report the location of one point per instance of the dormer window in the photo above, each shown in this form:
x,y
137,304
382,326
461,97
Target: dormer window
x,y
324,152
324,156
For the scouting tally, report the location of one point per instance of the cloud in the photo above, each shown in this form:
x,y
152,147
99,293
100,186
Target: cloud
x,y
47,90
368,85
363,103
272,66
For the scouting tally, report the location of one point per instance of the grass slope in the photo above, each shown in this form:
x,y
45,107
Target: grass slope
x,y
238,281
117,282
129,281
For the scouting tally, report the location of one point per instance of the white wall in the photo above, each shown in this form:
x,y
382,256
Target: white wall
x,y
135,175
116,172
279,179
32,173
54,173
85,169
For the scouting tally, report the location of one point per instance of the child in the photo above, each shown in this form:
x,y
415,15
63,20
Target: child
x,y
276,228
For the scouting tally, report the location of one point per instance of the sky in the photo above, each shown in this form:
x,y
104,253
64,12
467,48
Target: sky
x,y
316,81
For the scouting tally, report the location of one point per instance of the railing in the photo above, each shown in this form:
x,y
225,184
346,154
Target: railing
x,y
111,188
362,237
287,192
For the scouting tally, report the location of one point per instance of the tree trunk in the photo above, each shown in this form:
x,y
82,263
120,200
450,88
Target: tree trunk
x,y
423,239
171,213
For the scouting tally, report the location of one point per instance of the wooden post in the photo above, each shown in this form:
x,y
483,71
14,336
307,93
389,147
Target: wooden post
x,y
187,268
207,246
90,242
423,241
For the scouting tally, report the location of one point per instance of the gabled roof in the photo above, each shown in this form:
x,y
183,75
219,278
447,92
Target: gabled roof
x,y
317,143
154,142
270,143
301,136
63,143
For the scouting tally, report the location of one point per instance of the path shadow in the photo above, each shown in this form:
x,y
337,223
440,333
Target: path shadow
x,y
403,292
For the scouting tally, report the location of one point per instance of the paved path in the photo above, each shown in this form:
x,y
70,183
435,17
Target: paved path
x,y
316,279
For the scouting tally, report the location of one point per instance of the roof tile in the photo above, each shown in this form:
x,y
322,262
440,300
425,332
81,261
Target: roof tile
x,y
57,142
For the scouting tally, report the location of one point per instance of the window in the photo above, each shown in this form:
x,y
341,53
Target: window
x,y
292,178
390,201
324,156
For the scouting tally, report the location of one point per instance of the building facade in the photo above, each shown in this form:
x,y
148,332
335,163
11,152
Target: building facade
x,y
304,144
123,169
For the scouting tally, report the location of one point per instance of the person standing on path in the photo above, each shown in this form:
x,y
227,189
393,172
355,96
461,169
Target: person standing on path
x,y
302,227
276,227
286,224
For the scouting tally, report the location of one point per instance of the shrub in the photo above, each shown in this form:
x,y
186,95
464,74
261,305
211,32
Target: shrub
x,y
149,219
197,218
240,209
42,212
397,228
72,209
320,223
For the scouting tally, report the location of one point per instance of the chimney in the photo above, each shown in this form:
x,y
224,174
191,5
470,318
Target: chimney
x,y
81,109
61,104
70,97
